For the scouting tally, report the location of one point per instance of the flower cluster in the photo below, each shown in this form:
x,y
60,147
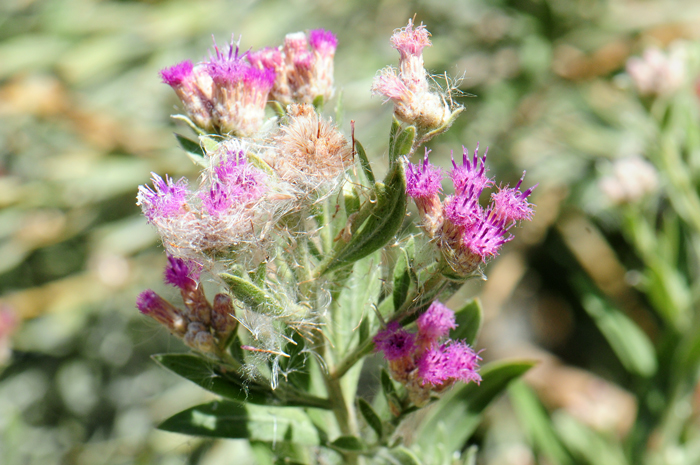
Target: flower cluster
x,y
414,100
227,94
428,361
657,73
202,326
466,233
303,66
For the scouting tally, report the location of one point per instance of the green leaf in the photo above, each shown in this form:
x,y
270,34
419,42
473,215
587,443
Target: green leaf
x,y
469,319
318,103
402,274
351,199
252,296
349,444
586,444
457,416
233,420
364,163
390,394
371,417
537,425
628,341
402,456
402,144
232,385
277,108
193,150
297,372
384,221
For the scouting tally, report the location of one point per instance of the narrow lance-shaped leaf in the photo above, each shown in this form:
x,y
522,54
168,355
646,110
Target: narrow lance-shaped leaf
x,y
233,420
456,418
193,150
349,444
631,345
469,320
364,163
371,417
384,221
402,274
252,296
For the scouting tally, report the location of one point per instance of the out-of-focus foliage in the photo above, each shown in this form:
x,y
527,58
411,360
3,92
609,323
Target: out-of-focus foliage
x,y
605,295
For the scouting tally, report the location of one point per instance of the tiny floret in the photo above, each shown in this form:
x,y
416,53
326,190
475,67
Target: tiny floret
x,y
180,273
394,341
423,181
167,198
509,204
436,322
411,40
177,74
471,174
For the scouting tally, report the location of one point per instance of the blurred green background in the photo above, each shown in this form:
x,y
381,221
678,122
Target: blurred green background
x,y
84,118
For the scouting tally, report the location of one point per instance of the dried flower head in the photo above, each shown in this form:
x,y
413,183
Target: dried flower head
x,y
423,184
309,150
409,90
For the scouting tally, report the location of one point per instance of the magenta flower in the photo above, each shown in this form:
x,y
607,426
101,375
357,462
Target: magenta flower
x,y
471,175
410,41
181,273
423,181
436,322
322,41
509,204
176,75
395,342
167,198
151,304
485,237
454,360
463,210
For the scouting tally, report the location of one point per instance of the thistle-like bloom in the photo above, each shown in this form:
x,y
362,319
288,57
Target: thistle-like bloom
x,y
395,342
240,92
225,94
181,274
166,199
436,322
151,304
414,102
450,362
471,175
303,66
193,87
423,184
509,204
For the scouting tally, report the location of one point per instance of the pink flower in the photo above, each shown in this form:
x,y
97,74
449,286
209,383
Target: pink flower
x,y
471,174
167,198
509,204
436,322
395,342
181,273
423,181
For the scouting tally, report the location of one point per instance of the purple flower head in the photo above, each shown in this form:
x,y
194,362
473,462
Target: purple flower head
x,y
165,199
509,204
410,40
423,182
266,58
217,200
431,366
463,210
229,69
151,304
485,237
324,42
452,361
177,74
243,181
304,60
470,174
460,362
435,322
295,42
181,273
394,341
